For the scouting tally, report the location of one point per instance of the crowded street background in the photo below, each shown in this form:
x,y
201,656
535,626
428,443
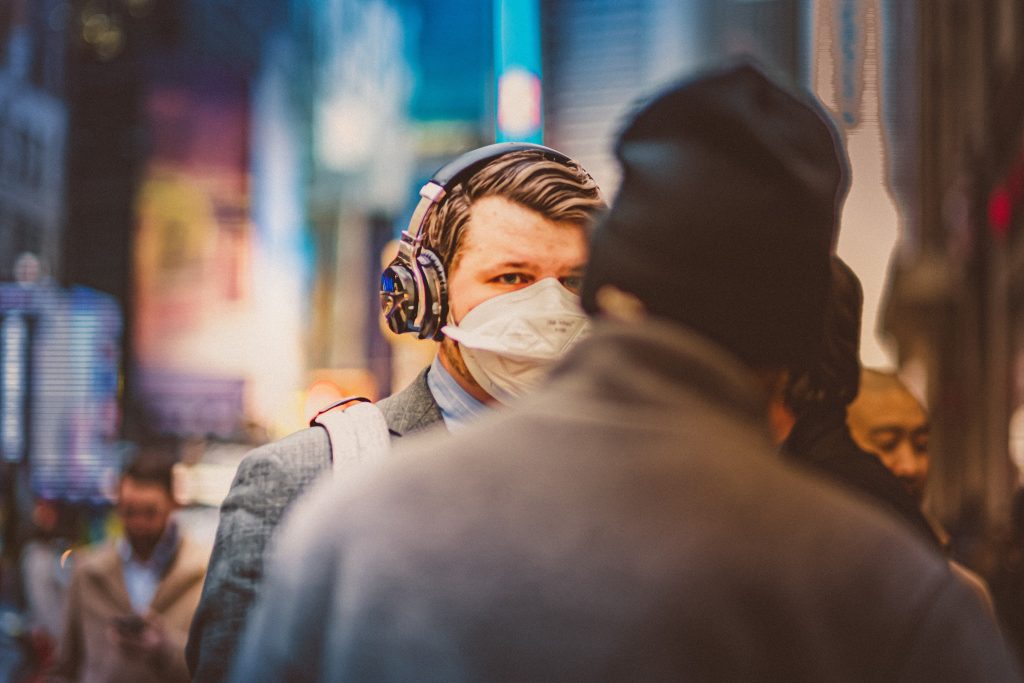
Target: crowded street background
x,y
198,199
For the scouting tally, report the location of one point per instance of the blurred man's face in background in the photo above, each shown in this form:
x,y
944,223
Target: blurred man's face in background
x,y
144,509
886,419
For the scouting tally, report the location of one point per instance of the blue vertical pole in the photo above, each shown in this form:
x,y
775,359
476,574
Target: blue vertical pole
x,y
517,71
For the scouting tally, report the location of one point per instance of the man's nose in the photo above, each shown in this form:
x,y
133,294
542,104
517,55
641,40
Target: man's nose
x,y
906,463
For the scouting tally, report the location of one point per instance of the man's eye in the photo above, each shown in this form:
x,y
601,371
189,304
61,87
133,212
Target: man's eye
x,y
886,445
510,279
572,283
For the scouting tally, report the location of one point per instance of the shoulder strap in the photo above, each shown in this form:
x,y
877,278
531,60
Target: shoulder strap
x,y
356,429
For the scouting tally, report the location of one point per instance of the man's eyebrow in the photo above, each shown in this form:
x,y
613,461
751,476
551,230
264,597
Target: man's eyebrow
x,y
885,428
518,265
527,265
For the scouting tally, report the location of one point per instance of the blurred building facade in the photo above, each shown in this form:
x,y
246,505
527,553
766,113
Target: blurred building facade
x,y
955,306
33,135
266,306
601,56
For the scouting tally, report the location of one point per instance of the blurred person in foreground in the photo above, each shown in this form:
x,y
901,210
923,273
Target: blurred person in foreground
x,y
131,601
508,236
632,520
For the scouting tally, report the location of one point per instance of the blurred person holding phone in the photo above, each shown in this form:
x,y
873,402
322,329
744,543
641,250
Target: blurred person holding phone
x,y
130,602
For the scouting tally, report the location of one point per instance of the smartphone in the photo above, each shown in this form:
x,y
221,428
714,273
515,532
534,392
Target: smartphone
x,y
130,626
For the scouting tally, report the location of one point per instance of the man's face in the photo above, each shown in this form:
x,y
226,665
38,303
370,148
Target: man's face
x,y
507,247
892,424
144,509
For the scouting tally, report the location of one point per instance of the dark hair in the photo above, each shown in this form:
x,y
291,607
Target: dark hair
x,y
153,465
835,379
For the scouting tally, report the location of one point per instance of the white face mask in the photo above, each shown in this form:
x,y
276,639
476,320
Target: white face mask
x,y
510,341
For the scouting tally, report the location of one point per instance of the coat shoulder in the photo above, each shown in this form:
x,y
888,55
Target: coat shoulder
x,y
95,560
293,461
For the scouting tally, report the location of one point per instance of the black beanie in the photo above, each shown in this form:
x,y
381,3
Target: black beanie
x,y
727,214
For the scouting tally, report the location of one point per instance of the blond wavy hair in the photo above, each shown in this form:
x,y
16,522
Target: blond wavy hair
x,y
559,192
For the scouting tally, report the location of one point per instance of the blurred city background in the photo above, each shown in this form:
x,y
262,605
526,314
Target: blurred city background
x,y
196,197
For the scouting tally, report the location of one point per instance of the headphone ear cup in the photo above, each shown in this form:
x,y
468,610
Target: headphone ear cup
x,y
434,298
398,296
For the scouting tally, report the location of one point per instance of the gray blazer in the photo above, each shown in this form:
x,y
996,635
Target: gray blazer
x,y
269,479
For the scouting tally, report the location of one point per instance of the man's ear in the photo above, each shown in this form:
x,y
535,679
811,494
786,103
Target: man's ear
x,y
780,420
619,305
780,417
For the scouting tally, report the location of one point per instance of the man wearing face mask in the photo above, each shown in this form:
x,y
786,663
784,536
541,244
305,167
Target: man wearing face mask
x,y
489,266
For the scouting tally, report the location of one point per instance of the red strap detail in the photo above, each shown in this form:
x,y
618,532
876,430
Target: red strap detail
x,y
338,404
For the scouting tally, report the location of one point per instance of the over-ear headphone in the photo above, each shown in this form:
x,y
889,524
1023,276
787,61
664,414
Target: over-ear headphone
x,y
414,286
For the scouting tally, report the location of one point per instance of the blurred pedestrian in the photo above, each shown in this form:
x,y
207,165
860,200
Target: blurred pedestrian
x,y
632,520
45,575
130,602
820,438
490,267
817,400
887,420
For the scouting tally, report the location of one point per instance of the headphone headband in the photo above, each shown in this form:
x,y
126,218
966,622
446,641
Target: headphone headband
x,y
414,287
463,168
469,163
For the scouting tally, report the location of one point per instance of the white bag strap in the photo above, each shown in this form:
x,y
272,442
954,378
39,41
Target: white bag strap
x,y
358,433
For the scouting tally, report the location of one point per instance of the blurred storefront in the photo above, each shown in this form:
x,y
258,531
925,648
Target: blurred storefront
x,y
60,346
601,56
956,302
275,176
224,176
33,136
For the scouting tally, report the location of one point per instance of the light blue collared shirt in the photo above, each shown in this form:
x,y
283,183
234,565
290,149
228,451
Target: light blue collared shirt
x,y
458,408
142,577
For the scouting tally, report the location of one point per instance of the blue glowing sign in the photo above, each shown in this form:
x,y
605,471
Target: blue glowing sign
x,y
518,71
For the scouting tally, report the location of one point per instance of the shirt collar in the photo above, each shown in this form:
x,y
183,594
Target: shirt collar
x,y
458,408
162,555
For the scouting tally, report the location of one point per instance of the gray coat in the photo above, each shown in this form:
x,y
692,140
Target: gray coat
x,y
632,521
269,480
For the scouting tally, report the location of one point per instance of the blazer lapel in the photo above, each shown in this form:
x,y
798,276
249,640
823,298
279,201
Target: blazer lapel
x,y
108,576
180,577
411,409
